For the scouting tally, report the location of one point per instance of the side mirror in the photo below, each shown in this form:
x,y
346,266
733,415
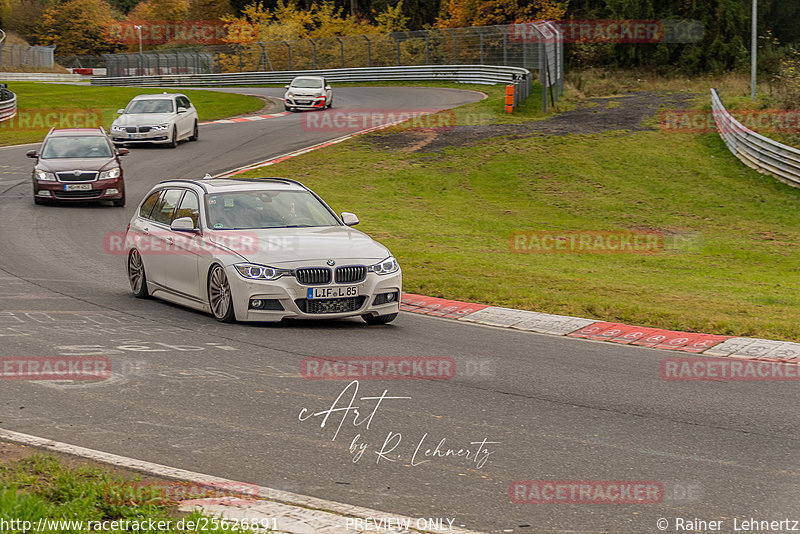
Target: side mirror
x,y
349,219
123,152
285,86
327,87
120,111
183,224
182,109
32,154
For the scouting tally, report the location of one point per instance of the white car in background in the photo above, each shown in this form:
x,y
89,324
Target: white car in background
x,y
308,92
163,119
258,250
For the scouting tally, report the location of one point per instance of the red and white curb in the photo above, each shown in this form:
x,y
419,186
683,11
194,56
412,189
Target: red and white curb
x,y
293,513
545,323
250,118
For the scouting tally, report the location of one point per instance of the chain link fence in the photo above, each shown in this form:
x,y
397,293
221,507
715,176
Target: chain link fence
x,y
534,46
20,55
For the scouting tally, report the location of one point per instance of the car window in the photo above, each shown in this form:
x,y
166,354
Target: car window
x,y
163,211
76,147
190,207
184,102
155,105
306,83
249,210
147,205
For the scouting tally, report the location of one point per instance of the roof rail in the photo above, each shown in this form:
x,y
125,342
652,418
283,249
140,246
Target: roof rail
x,y
193,182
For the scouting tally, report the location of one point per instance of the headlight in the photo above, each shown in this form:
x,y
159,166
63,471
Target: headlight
x,y
387,266
115,128
110,174
161,127
45,176
260,272
289,95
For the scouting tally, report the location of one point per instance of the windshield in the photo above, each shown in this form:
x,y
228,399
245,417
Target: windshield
x,y
76,147
160,105
307,83
250,210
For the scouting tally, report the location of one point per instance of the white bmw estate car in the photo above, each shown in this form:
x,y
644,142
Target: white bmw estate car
x,y
258,250
162,119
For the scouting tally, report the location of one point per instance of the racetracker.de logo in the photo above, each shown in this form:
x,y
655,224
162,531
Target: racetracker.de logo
x,y
704,369
44,119
585,242
228,493
357,120
585,492
709,121
163,242
378,368
610,31
157,32
55,368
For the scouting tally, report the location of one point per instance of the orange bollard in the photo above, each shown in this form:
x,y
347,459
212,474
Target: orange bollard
x,y
509,98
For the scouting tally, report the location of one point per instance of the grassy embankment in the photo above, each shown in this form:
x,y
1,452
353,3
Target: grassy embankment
x,y
731,265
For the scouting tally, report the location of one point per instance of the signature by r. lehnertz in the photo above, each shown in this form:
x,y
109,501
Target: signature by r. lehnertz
x,y
362,417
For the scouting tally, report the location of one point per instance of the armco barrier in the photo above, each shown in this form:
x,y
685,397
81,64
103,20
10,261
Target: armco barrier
x,y
485,74
8,103
754,150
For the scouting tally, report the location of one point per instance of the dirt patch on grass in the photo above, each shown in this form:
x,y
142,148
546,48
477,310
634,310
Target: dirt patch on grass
x,y
631,113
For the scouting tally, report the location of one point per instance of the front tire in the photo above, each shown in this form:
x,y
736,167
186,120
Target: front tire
x,y
137,276
174,142
219,295
120,202
196,133
379,319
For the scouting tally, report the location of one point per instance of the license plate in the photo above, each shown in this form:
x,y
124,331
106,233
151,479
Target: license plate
x,y
78,187
303,102
332,292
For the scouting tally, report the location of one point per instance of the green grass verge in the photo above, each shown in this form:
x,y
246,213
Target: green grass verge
x,y
41,487
88,104
731,267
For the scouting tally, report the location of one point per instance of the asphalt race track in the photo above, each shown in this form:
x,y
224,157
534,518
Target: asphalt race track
x,y
225,399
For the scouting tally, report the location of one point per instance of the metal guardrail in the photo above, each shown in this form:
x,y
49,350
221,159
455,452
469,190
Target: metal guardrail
x,y
754,150
8,103
484,74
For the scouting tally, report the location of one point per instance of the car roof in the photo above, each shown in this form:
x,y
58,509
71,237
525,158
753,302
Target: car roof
x,y
307,78
72,132
156,96
224,185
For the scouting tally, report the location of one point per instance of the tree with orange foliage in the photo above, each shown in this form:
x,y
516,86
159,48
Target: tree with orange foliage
x,y
464,13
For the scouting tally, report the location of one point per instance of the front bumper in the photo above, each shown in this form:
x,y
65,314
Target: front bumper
x,y
288,294
309,102
112,189
158,137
